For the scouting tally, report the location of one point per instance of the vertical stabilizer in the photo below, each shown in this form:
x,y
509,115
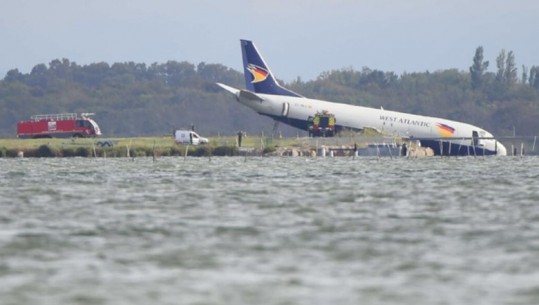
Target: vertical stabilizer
x,y
258,76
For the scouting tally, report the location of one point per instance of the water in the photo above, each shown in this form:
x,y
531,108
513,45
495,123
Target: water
x,y
269,231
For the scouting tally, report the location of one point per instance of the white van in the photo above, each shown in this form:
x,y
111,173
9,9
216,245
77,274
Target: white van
x,y
189,137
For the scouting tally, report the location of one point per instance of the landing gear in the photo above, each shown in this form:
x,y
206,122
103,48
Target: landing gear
x,y
275,127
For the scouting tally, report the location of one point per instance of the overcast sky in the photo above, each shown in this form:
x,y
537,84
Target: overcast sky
x,y
296,37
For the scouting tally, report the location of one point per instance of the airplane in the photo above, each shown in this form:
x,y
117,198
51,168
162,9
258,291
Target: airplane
x,y
267,97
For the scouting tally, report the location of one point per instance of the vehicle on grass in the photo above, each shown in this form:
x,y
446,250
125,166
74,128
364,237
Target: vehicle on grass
x,y
187,137
322,124
60,125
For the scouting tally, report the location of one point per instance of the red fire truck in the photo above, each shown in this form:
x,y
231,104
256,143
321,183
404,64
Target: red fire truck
x,y
61,125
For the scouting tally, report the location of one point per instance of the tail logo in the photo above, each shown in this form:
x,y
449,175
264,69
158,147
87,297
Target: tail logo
x,y
445,130
259,74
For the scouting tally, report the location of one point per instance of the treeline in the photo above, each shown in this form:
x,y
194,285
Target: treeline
x,y
133,99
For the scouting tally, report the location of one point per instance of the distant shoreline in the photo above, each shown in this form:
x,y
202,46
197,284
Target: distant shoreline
x,y
105,147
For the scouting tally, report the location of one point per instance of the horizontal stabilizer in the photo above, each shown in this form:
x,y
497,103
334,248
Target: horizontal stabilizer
x,y
229,89
243,94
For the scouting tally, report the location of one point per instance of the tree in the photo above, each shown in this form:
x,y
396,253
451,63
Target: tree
x,y
93,74
500,64
14,75
534,77
178,73
38,76
60,69
510,73
478,68
524,74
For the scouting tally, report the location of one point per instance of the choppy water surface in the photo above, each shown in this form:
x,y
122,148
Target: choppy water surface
x,y
269,231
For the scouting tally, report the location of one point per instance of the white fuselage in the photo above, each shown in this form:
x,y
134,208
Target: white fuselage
x,y
388,122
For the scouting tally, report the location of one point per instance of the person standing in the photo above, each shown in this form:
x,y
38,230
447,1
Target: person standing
x,y
240,136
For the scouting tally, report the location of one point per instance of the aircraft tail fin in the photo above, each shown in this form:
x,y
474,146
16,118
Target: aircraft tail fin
x,y
258,76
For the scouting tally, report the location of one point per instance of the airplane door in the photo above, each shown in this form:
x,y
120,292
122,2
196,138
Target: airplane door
x,y
475,138
286,109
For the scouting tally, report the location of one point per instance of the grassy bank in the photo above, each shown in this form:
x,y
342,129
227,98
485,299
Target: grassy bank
x,y
131,147
165,146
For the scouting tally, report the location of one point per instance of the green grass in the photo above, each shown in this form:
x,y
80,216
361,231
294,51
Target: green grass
x,y
138,146
149,142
